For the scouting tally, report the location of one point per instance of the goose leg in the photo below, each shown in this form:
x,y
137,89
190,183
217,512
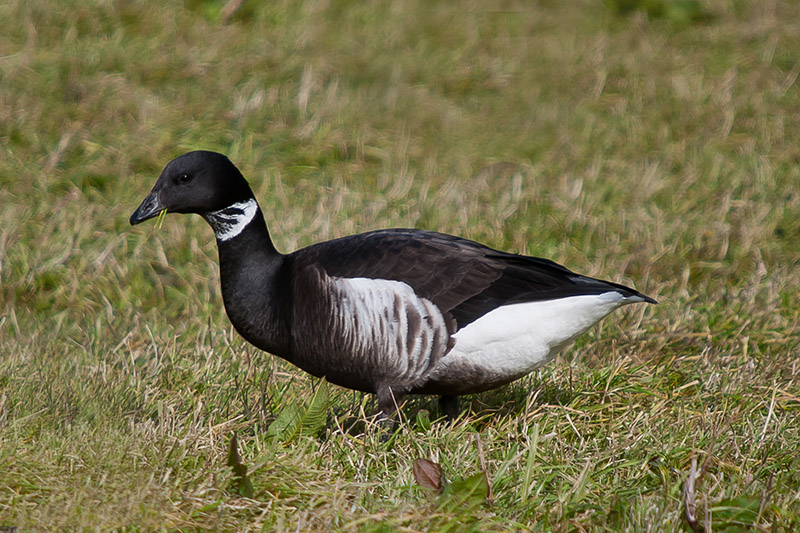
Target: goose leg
x,y
449,406
388,403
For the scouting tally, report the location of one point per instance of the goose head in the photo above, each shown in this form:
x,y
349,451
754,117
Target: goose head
x,y
199,182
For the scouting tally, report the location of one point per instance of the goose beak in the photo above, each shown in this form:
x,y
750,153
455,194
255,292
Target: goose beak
x,y
150,207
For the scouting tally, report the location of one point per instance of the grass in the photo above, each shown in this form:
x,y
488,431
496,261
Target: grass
x,y
659,150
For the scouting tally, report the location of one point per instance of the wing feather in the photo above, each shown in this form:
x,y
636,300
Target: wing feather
x,y
464,279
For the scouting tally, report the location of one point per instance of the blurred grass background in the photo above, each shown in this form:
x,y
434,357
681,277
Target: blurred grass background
x,y
655,143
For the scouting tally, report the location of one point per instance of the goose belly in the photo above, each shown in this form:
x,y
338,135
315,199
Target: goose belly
x,y
513,340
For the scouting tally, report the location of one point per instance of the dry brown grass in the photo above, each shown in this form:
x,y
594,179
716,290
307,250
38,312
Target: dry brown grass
x,y
660,152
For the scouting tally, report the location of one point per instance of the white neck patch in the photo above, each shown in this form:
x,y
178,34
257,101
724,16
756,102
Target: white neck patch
x,y
229,222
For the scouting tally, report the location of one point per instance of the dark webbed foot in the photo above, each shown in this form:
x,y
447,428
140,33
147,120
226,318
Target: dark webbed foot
x,y
449,406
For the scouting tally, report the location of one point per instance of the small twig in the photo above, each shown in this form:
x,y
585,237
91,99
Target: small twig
x,y
770,412
489,497
397,408
230,9
574,428
765,497
710,451
689,497
570,379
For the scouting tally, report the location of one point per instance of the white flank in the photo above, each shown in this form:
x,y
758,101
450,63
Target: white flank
x,y
513,340
229,222
378,314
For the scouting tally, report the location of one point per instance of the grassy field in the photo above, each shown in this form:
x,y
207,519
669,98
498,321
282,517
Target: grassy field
x,y
656,147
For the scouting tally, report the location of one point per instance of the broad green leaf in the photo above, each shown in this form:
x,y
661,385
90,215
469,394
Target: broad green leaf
x,y
735,514
286,425
239,483
465,493
309,419
316,414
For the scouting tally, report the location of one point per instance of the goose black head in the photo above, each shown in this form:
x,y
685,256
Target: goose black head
x,y
196,182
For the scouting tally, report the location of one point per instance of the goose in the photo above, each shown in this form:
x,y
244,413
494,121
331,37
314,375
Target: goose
x,y
391,312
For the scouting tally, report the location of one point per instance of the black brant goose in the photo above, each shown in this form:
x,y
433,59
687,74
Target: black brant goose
x,y
392,312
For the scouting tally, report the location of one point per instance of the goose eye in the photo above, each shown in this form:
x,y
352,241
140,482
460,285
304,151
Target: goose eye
x,y
185,178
